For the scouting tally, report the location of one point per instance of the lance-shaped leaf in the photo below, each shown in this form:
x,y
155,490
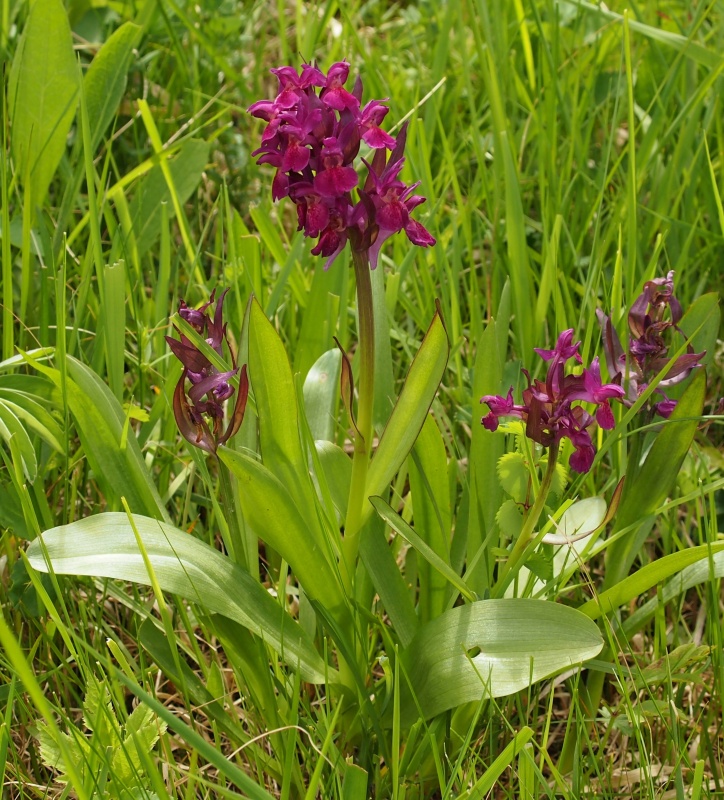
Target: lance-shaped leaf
x,y
410,410
657,476
493,648
105,546
274,516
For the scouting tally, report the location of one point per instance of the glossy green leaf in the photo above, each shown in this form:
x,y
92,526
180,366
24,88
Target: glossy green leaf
x,y
493,648
105,546
276,405
320,394
645,578
105,80
337,468
486,493
431,514
276,519
121,471
43,94
389,584
645,494
701,322
410,411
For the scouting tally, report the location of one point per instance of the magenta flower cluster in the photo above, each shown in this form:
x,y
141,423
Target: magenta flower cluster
x,y
200,412
653,316
547,408
312,137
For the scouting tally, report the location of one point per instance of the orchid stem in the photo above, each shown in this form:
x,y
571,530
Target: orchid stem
x,y
363,436
512,565
233,517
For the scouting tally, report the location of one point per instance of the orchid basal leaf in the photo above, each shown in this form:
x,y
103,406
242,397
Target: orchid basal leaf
x,y
105,546
493,648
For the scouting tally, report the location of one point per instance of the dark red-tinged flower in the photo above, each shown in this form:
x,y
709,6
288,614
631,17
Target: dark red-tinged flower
x,y
653,316
312,138
547,408
200,411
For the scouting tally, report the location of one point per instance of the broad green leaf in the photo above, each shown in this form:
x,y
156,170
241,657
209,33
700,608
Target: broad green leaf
x,y
337,467
279,425
43,94
105,546
276,519
105,80
493,648
431,513
701,322
394,593
145,209
320,395
121,472
486,493
410,411
649,489
645,578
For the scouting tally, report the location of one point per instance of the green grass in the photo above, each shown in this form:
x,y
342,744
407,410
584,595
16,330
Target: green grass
x,y
568,154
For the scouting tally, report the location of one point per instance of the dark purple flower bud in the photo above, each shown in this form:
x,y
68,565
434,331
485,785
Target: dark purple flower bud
x,y
200,414
648,348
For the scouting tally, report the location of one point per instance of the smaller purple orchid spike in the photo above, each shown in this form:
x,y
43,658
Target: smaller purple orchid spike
x,y
312,137
648,349
200,412
547,408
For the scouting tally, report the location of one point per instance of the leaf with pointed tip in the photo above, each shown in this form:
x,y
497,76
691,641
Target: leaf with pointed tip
x,y
410,411
105,546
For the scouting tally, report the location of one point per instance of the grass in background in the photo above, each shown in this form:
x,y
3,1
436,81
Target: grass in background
x,y
569,153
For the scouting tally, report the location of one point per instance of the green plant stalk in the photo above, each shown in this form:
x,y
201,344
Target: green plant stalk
x,y
363,436
233,517
512,565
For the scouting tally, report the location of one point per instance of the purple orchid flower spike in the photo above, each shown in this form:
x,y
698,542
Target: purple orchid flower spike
x,y
312,138
547,408
200,411
648,349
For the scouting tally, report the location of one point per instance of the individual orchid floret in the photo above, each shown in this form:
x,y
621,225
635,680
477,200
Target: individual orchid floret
x,y
200,411
312,138
547,408
653,314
